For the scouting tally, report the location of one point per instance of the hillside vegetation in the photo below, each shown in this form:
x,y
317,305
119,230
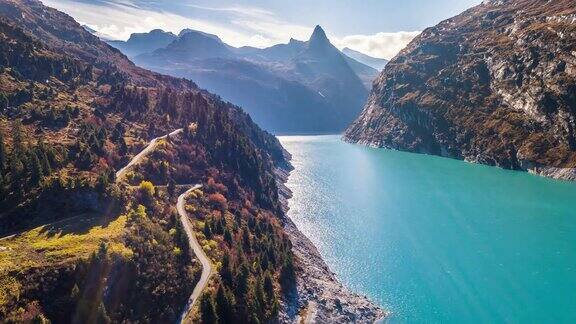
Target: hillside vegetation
x,y
73,110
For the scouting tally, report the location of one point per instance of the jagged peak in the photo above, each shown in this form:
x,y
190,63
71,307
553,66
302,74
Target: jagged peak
x,y
318,35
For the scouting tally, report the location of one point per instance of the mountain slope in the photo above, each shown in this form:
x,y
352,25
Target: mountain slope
x,y
99,249
494,85
299,87
322,67
92,248
375,63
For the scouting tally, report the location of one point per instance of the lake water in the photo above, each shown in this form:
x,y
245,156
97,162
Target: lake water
x,y
436,240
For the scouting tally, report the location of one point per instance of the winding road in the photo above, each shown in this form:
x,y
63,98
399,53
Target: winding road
x,y
138,158
188,227
200,254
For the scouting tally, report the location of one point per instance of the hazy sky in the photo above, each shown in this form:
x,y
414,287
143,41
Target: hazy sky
x,y
377,27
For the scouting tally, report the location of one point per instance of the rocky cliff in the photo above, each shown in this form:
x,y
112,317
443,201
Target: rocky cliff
x,y
494,85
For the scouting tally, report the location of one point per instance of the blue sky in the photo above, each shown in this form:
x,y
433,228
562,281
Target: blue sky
x,y
376,27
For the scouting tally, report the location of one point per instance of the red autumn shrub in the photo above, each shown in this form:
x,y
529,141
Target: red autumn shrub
x,y
218,201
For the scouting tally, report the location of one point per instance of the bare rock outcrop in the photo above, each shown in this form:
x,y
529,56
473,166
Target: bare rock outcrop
x,y
494,85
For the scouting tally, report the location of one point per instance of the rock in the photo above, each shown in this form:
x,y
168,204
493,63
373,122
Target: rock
x,y
495,85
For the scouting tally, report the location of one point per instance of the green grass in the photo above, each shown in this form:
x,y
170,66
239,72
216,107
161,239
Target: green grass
x,y
55,244
60,242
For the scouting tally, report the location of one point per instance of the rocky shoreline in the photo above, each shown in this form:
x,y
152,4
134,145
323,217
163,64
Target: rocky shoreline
x,y
319,296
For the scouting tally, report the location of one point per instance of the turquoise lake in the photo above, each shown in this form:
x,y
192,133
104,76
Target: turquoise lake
x,y
436,240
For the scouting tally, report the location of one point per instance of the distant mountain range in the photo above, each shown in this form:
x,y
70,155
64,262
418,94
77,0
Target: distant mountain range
x,y
140,43
373,62
298,87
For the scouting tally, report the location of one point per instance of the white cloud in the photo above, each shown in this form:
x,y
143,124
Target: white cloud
x,y
120,20
382,45
242,25
247,26
266,28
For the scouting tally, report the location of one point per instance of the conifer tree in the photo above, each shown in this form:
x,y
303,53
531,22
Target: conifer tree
x,y
268,286
17,139
207,230
207,309
3,102
36,170
101,315
226,270
227,237
171,187
75,293
287,275
3,153
224,305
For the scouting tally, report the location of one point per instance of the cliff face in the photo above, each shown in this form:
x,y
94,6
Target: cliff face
x,y
494,85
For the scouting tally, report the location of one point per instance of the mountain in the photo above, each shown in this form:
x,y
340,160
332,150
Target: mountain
x,y
373,62
140,43
193,45
298,87
494,85
105,248
322,67
96,154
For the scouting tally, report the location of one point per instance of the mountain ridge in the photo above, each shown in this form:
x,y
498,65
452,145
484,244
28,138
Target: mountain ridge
x,y
286,88
376,63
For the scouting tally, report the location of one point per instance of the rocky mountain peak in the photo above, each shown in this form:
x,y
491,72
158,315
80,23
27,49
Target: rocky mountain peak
x,y
153,34
159,31
318,37
191,33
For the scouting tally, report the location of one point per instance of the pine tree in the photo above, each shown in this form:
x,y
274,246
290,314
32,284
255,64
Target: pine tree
x,y
102,183
246,240
36,172
16,169
207,309
101,315
226,270
181,238
171,187
75,293
227,237
287,275
17,139
241,280
218,228
44,159
207,230
224,305
3,102
3,154
260,298
268,286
